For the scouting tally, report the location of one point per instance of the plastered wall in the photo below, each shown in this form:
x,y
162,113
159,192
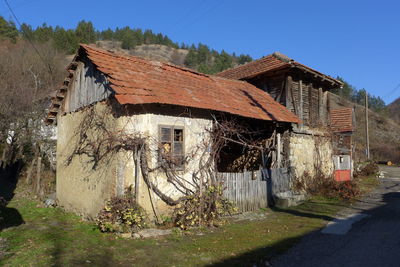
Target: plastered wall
x,y
84,190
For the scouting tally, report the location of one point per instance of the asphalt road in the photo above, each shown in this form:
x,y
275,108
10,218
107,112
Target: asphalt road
x,y
367,234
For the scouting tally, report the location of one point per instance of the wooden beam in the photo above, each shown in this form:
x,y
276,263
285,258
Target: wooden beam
x,y
278,99
300,100
288,88
279,150
310,107
320,106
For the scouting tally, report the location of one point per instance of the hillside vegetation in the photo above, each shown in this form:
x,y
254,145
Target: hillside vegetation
x,y
394,110
384,132
199,57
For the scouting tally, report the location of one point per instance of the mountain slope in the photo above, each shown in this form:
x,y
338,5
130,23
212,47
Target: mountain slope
x,y
157,52
384,132
394,110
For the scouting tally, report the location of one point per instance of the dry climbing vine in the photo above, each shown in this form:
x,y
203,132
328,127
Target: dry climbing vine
x,y
201,198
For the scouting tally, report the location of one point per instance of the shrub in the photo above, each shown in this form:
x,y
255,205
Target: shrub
x,y
366,169
328,187
206,209
121,215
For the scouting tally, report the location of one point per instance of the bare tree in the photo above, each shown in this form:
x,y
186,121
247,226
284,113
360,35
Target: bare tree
x,y
27,80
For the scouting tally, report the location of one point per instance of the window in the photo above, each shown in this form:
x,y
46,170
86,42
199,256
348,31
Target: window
x,y
171,150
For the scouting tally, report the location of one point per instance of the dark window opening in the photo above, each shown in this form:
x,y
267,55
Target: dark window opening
x,y
171,150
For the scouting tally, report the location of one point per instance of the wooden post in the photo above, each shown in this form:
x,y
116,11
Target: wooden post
x,y
29,172
288,87
301,100
310,105
320,106
366,123
38,174
278,150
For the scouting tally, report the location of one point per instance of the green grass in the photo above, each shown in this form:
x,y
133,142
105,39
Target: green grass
x,y
367,184
52,237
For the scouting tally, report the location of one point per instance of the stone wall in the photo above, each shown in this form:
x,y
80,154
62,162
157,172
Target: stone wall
x,y
311,152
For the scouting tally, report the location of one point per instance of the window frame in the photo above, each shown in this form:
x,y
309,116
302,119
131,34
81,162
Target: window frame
x,y
172,141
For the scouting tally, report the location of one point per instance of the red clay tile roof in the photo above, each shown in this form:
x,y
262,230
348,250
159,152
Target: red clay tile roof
x,y
272,62
342,120
254,68
140,81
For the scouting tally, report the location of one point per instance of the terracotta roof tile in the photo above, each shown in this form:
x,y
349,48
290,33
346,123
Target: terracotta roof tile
x,y
254,68
268,63
342,120
140,81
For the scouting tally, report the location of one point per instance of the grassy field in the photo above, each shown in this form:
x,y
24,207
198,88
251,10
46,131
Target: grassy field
x,y
52,237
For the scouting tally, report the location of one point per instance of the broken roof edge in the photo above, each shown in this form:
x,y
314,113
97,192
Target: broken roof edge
x,y
294,63
290,63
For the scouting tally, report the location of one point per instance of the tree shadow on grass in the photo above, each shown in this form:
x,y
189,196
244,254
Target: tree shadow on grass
x,y
9,217
303,214
63,252
258,257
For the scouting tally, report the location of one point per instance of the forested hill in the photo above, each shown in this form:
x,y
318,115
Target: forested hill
x,y
199,57
394,110
157,46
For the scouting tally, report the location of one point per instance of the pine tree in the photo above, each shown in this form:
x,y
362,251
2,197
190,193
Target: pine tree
x,y
43,33
65,40
243,59
85,32
128,40
107,34
222,62
8,30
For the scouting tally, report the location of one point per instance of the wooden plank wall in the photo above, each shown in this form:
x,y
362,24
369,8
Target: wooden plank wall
x,y
312,107
311,104
247,194
250,190
273,85
88,86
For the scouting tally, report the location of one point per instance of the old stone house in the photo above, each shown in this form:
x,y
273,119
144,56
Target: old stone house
x,y
305,92
111,107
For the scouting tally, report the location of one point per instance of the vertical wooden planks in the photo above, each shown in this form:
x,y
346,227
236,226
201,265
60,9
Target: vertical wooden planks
x,y
246,193
301,99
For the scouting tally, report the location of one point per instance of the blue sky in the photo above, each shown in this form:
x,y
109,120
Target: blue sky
x,y
357,40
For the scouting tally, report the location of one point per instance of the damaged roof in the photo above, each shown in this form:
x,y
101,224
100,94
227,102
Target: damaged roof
x,y
273,62
342,120
136,80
